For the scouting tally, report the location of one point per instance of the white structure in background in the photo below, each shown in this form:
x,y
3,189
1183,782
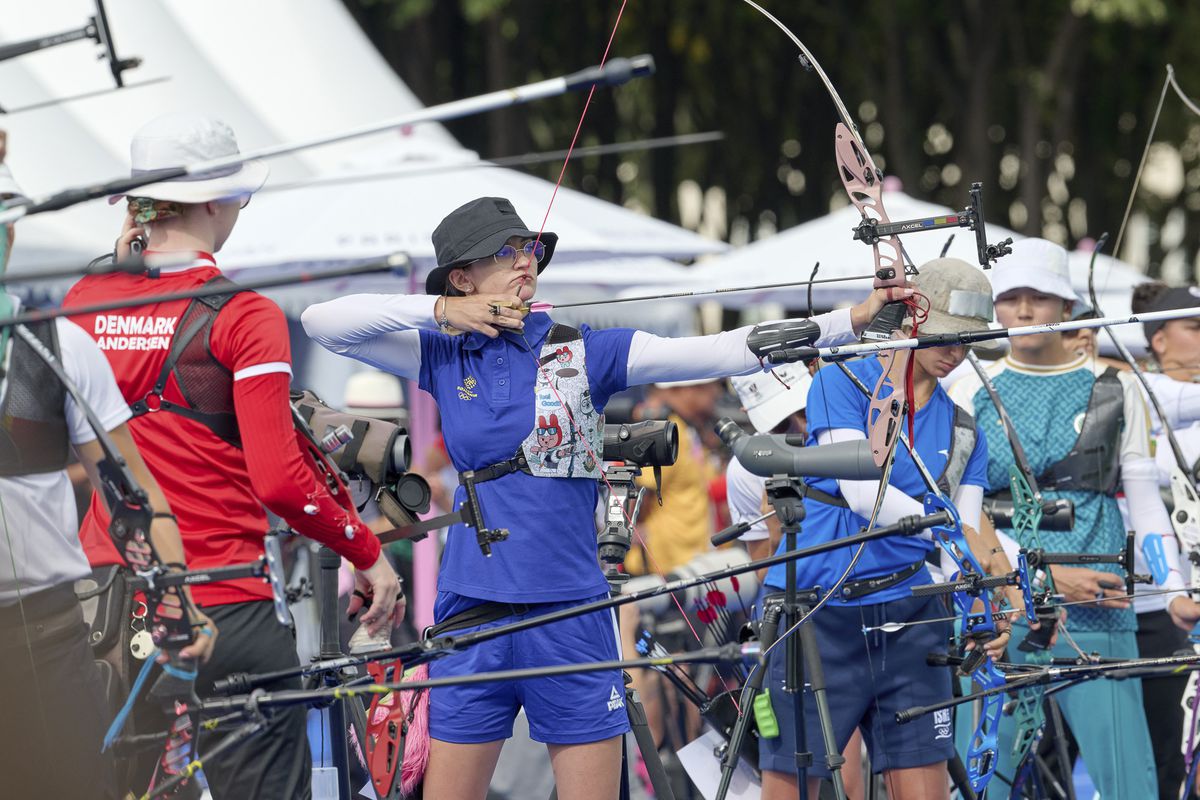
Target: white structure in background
x,y
276,70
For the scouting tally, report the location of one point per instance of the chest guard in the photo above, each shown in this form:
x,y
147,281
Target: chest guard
x,y
962,444
1093,463
566,425
34,437
205,383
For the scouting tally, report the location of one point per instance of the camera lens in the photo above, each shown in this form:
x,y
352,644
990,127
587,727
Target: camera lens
x,y
728,430
401,453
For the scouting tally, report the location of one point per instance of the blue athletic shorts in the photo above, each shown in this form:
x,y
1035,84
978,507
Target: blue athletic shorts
x,y
868,679
568,709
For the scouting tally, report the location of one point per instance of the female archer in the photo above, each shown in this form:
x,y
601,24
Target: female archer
x,y
879,674
1084,427
493,385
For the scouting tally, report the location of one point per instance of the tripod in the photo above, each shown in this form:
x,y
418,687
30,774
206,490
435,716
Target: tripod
x,y
624,502
784,495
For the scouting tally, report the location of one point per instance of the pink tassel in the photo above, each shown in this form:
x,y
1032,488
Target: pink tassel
x,y
416,743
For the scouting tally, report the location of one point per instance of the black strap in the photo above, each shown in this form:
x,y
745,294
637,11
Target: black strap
x,y
481,614
349,454
222,424
821,497
517,463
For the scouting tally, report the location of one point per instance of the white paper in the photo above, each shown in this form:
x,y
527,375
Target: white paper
x,y
702,765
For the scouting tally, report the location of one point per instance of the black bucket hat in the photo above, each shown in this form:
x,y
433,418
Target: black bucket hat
x,y
476,230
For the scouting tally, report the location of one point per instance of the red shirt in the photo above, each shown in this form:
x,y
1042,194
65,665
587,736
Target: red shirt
x,y
211,491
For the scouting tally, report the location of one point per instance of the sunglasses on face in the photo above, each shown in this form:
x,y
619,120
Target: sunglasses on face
x,y
547,431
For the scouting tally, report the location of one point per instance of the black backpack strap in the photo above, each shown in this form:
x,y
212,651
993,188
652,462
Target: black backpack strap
x,y
224,425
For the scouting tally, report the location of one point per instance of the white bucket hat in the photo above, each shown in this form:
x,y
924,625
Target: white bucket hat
x,y
769,402
1035,264
184,138
10,191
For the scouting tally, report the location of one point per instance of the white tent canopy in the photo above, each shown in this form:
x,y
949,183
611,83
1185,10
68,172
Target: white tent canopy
x,y
276,70
348,222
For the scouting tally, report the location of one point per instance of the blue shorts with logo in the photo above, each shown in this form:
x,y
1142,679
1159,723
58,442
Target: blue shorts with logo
x,y
565,709
868,679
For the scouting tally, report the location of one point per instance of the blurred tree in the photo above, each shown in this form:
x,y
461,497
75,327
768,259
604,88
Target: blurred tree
x,y
1047,102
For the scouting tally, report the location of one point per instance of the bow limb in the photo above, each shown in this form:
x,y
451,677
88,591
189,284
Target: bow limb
x,y
975,614
863,182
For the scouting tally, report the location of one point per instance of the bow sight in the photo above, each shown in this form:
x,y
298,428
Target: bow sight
x,y
96,29
871,231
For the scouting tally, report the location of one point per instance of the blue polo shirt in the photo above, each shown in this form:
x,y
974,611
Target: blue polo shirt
x,y
485,392
834,402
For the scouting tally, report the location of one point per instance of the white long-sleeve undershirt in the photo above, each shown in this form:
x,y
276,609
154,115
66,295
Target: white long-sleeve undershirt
x,y
382,330
860,495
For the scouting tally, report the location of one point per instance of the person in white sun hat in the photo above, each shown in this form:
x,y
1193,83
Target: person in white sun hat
x,y
207,382
1085,430
775,402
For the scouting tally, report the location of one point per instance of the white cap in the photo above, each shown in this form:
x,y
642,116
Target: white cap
x,y
1034,264
771,397
186,138
374,394
9,190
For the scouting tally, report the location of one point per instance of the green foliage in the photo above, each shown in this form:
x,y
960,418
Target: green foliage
x,y
1048,102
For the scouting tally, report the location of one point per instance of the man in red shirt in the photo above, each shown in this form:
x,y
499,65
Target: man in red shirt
x,y
208,384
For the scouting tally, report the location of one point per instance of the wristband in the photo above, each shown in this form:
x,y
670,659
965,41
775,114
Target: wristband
x,y
164,515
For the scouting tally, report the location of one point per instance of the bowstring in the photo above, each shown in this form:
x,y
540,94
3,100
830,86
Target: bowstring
x,y
1142,165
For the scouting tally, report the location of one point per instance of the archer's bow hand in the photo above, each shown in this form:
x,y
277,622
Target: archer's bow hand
x,y
1080,583
862,314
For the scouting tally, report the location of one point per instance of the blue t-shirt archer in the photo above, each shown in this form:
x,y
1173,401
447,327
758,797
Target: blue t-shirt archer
x,y
834,402
484,391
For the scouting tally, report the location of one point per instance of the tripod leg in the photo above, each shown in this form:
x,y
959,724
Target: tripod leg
x,y
645,742
766,637
816,680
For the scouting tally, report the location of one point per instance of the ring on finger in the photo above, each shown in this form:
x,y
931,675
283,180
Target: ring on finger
x,y
494,309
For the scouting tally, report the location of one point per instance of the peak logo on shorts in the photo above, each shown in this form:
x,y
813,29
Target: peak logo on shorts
x,y
615,700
